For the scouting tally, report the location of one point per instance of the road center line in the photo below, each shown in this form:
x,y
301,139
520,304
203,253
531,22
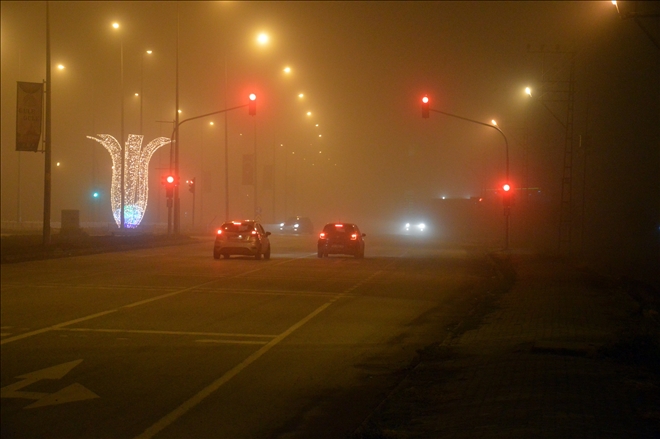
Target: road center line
x,y
155,332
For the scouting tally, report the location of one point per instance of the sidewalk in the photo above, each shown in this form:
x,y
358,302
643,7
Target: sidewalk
x,y
562,354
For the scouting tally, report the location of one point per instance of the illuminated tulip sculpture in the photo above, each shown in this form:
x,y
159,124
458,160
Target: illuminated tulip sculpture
x,y
136,187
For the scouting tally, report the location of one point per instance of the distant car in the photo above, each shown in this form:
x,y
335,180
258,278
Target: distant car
x,y
415,228
297,224
247,238
341,239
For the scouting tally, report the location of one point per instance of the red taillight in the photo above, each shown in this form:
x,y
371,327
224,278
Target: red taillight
x,y
322,235
354,237
219,231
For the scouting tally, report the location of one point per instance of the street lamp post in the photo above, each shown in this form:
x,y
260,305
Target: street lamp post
x,y
506,142
148,52
122,140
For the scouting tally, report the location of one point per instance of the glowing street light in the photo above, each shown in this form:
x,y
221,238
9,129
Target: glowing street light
x,y
287,70
301,95
263,39
309,113
60,66
528,91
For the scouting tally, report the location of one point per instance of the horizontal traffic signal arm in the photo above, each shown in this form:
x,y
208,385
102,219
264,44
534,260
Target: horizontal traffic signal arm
x,y
506,142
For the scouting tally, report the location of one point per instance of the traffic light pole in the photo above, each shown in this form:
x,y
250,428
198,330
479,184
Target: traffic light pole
x,y
506,143
175,131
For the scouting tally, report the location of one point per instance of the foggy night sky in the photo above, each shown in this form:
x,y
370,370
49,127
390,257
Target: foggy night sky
x,y
363,67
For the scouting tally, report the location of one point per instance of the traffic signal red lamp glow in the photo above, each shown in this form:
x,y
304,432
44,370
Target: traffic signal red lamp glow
x,y
425,107
252,106
506,195
170,182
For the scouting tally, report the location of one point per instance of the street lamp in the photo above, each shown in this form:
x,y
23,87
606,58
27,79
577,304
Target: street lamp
x,y
493,125
262,39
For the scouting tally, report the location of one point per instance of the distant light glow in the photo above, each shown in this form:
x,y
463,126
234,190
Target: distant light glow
x,y
309,113
211,123
149,52
263,38
137,94
115,25
136,187
253,97
301,95
60,66
425,99
95,195
528,91
287,69
493,122
57,164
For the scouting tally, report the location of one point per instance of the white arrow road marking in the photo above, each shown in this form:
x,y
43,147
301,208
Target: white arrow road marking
x,y
74,392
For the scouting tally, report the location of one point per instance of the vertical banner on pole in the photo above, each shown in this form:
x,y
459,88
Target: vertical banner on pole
x,y
248,169
29,115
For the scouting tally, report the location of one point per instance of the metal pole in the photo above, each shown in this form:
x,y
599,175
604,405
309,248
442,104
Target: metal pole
x,y
47,146
506,143
18,189
176,145
122,141
256,204
226,148
141,91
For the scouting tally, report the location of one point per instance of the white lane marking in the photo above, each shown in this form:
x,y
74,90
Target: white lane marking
x,y
215,385
57,326
231,341
178,412
71,393
155,332
141,302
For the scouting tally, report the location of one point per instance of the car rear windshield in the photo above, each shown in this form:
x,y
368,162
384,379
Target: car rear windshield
x,y
238,227
341,228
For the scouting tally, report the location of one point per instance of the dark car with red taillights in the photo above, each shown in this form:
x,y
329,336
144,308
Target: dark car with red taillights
x,y
341,239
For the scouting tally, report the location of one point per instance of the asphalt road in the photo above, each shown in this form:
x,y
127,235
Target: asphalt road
x,y
170,343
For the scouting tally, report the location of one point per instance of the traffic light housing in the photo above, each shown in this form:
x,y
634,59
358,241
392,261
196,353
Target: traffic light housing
x,y
191,185
252,105
425,107
506,195
170,182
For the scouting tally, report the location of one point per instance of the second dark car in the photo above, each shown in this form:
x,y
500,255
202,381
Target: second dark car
x,y
341,239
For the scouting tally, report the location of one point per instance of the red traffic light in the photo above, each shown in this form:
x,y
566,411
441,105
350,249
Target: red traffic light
x,y
506,187
252,106
169,179
425,107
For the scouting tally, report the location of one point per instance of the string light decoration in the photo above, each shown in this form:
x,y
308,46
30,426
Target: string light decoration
x,y
136,187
